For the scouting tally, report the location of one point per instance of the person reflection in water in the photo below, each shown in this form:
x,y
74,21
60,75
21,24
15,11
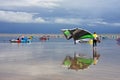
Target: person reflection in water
x,y
95,56
80,62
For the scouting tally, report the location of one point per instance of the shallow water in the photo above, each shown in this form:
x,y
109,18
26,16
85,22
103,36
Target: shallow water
x,y
43,61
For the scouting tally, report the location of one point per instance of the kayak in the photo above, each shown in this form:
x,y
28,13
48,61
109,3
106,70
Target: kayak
x,y
20,41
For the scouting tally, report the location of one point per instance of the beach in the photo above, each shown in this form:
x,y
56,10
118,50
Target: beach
x,y
43,60
56,40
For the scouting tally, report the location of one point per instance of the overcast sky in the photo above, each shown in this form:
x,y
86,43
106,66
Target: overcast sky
x,y
49,16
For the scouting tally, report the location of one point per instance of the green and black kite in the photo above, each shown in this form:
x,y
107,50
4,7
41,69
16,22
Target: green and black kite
x,y
77,34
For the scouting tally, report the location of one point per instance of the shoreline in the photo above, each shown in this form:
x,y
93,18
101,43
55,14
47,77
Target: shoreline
x,y
36,35
111,36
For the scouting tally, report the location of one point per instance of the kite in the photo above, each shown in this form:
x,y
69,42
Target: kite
x,y
77,34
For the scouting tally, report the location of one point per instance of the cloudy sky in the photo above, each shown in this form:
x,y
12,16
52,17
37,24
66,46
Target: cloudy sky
x,y
49,16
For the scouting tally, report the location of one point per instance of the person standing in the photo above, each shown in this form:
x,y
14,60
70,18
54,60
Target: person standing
x,y
95,38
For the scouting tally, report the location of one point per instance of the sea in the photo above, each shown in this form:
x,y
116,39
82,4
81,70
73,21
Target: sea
x,y
43,60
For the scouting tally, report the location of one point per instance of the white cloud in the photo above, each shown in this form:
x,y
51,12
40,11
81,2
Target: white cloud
x,y
90,4
76,4
19,17
78,21
24,17
29,3
67,20
116,24
102,22
39,20
81,21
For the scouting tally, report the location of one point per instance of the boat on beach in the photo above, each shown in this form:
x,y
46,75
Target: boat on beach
x,y
19,41
22,39
44,38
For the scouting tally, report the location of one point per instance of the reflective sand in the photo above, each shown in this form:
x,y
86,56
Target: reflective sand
x,y
43,61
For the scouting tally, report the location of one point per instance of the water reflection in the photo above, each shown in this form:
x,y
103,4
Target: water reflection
x,y
96,56
81,61
118,41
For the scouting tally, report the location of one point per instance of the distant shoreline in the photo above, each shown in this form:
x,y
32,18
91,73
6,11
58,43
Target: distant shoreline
x,y
36,35
54,35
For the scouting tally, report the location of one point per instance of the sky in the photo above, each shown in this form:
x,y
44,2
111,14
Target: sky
x,y
50,16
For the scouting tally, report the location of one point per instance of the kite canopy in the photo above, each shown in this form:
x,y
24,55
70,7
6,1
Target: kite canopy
x,y
77,34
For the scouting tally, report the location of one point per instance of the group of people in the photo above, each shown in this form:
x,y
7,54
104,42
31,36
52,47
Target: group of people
x,y
24,39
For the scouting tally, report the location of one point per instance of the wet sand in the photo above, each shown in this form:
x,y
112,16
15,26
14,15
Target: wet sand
x,y
43,61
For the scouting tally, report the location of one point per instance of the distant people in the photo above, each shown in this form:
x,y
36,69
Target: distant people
x,y
18,38
95,38
22,37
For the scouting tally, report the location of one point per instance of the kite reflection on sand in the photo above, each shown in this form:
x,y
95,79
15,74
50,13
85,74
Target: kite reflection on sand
x,y
80,61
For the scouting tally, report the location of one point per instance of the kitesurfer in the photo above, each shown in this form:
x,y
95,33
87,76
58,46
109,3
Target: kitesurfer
x,y
95,38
